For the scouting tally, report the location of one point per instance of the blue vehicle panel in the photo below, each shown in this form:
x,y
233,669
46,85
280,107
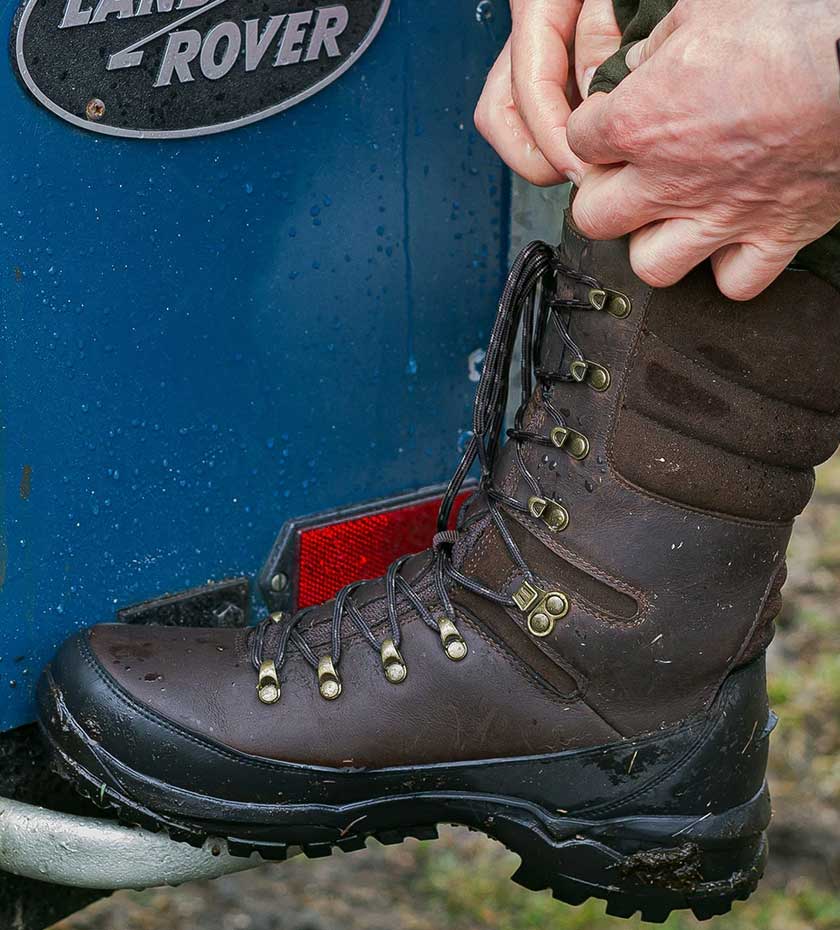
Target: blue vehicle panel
x,y
201,338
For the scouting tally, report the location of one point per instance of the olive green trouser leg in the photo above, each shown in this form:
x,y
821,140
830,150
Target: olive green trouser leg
x,y
637,19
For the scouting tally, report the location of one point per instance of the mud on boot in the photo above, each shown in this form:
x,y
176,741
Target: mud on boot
x,y
577,669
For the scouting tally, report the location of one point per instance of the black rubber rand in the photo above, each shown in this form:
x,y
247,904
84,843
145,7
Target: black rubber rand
x,y
662,822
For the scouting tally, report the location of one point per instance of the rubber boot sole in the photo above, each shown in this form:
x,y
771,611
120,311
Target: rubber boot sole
x,y
675,820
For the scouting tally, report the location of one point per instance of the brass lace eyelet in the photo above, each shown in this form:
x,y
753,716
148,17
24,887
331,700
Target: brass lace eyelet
x,y
613,302
454,644
392,663
570,441
542,609
268,684
554,515
591,373
329,684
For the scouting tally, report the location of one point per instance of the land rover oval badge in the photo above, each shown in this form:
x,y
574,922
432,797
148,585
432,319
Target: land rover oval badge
x,y
159,69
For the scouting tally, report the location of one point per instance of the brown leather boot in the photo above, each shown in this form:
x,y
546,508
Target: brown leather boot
x,y
578,670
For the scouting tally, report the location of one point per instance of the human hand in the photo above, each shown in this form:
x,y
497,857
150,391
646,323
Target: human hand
x,y
724,141
532,87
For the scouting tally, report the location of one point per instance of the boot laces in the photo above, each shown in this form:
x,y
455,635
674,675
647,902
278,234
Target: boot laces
x,y
524,304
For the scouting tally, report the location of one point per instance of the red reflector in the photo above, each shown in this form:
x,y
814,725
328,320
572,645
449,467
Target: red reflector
x,y
362,547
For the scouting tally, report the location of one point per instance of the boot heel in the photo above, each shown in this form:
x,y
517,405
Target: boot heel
x,y
680,836
651,880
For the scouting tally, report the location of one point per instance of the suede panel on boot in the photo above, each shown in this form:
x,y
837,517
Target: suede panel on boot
x,y
727,406
784,344
687,396
682,468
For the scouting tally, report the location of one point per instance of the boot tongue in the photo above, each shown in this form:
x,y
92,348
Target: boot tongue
x,y
587,329
584,326
591,256
506,475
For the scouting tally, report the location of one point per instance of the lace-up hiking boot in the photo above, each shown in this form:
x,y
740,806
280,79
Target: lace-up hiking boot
x,y
577,670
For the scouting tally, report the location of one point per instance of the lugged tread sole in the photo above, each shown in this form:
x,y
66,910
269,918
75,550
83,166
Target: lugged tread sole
x,y
655,896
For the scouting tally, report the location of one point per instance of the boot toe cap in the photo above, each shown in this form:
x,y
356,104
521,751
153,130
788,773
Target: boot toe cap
x,y
104,700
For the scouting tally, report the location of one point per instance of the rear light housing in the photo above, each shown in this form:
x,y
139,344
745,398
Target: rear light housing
x,y
315,556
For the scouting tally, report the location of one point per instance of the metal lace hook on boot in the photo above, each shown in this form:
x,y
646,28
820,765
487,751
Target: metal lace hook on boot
x,y
454,645
542,609
393,664
268,682
585,371
552,513
613,302
570,441
329,684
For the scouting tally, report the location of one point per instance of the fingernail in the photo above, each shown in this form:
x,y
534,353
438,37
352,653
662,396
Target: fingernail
x,y
633,56
588,74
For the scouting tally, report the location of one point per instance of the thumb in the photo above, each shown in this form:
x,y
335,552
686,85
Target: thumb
x,y
597,37
639,53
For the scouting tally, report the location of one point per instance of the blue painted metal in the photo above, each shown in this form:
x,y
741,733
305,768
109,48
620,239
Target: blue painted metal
x,y
201,339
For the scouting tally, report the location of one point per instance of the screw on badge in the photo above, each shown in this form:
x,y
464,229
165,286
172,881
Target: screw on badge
x,y
484,12
95,109
146,60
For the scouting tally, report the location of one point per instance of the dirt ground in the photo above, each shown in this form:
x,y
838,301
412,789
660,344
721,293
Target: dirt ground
x,y
460,882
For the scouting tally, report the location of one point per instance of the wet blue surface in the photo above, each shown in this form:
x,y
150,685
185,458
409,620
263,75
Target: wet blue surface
x,y
200,339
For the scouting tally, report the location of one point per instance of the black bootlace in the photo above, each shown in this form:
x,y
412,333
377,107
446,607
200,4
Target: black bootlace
x,y
525,300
